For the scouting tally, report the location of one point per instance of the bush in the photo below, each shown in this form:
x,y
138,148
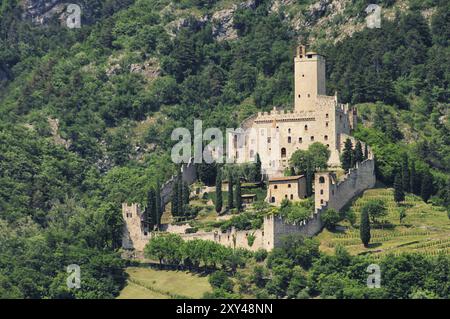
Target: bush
x,y
220,280
261,255
192,230
330,218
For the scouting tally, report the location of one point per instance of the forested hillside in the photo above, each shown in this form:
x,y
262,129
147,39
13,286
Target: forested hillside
x,y
86,114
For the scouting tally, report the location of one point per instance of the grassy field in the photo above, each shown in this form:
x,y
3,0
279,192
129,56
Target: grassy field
x,y
148,283
426,229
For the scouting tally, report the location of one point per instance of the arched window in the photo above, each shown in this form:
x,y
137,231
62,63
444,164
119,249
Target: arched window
x,y
321,192
306,127
327,116
312,138
289,130
275,187
292,197
283,153
321,180
300,140
326,137
289,139
289,185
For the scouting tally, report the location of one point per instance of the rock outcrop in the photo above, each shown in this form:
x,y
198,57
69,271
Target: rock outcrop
x,y
40,11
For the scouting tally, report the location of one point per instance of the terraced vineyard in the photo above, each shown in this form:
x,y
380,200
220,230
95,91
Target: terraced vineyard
x,y
426,228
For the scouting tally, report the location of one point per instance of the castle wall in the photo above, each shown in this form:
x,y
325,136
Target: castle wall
x,y
133,236
232,238
336,194
189,175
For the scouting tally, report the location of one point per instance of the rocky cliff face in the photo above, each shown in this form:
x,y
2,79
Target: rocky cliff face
x,y
39,11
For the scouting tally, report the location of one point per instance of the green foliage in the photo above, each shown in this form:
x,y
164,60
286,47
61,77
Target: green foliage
x,y
238,196
260,255
230,191
375,209
316,156
399,195
297,211
220,280
219,198
330,218
364,227
347,159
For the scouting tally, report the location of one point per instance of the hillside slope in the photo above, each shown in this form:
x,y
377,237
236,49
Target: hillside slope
x,y
86,115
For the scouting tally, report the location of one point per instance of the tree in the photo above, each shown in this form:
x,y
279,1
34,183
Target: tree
x,y
414,185
174,199
347,158
405,173
366,151
358,153
186,193
221,280
309,179
180,205
375,209
207,173
364,228
402,214
238,195
230,190
151,209
330,218
399,194
166,248
219,199
158,204
316,157
258,169
427,186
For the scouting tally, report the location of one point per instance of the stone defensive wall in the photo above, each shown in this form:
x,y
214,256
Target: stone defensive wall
x,y
188,175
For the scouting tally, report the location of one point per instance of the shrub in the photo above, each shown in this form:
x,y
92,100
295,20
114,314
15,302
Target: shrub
x,y
220,280
330,218
261,255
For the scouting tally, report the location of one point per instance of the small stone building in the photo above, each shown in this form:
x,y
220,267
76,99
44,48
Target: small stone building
x,y
292,188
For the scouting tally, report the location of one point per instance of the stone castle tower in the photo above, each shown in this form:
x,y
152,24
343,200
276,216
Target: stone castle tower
x,y
316,117
309,69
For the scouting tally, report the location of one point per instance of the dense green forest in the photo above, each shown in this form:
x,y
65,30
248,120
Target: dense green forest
x,y
60,201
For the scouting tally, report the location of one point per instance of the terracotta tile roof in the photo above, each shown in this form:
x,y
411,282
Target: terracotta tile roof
x,y
285,178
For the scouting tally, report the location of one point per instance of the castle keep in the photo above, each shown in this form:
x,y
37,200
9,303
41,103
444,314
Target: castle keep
x,y
316,117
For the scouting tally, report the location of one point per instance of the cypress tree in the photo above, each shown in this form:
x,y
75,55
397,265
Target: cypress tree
x,y
186,193
399,194
238,195
258,165
364,228
358,153
347,161
427,186
405,173
175,195
413,187
151,209
309,178
219,199
180,204
230,190
158,204
366,151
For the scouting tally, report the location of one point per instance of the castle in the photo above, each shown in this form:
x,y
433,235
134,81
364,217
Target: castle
x,y
316,117
275,136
